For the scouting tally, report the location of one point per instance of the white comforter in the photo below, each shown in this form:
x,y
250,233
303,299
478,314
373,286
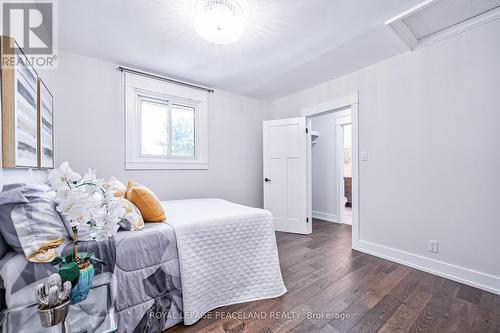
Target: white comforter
x,y
227,254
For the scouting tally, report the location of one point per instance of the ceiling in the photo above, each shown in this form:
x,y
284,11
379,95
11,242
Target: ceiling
x,y
289,45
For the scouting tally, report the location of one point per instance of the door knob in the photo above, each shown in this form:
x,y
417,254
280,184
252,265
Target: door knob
x,y
267,180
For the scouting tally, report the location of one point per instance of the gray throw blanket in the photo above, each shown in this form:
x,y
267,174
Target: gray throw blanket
x,y
142,268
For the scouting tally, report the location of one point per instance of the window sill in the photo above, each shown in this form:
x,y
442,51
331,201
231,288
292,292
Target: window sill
x,y
166,166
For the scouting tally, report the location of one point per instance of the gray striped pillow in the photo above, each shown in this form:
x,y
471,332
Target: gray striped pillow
x,y
33,227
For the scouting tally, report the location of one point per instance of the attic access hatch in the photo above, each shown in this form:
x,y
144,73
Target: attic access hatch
x,y
435,20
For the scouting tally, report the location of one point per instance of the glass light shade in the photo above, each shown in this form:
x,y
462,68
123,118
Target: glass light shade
x,y
219,21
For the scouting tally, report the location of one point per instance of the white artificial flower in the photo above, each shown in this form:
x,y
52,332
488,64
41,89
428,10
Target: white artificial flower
x,y
71,198
90,184
63,177
89,176
109,194
117,208
87,202
79,215
65,206
61,193
108,227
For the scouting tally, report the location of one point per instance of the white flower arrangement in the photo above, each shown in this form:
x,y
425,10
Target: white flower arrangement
x,y
86,202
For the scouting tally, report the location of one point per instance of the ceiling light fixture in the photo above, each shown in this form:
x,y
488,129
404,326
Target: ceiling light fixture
x,y
219,21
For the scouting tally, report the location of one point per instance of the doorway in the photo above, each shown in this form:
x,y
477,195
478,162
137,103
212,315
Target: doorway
x,y
287,167
345,159
343,103
331,166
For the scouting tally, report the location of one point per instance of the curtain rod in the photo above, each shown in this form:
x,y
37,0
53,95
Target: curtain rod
x,y
185,84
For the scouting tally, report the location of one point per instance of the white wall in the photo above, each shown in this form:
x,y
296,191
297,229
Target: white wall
x,y
90,133
430,123
324,169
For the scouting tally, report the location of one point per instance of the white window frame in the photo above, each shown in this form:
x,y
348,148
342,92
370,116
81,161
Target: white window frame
x,y
139,88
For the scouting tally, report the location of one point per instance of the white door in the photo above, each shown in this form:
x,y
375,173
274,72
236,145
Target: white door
x,y
285,174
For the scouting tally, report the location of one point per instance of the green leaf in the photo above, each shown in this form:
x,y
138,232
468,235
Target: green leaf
x,y
58,261
82,255
94,259
69,272
89,256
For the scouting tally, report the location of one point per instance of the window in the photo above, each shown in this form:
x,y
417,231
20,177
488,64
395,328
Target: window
x,y
154,129
182,119
167,130
166,125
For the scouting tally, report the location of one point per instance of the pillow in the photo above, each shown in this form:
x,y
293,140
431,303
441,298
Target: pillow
x,y
132,219
117,186
12,196
32,227
9,199
4,247
146,201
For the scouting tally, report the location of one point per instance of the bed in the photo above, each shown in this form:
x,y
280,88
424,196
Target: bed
x,y
227,254
209,253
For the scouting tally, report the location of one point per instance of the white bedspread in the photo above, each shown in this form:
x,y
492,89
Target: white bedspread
x,y
227,254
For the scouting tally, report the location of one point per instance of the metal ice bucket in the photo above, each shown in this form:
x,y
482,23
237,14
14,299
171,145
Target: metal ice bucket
x,y
54,316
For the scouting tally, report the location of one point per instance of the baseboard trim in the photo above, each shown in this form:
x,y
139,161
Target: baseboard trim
x,y
460,274
324,216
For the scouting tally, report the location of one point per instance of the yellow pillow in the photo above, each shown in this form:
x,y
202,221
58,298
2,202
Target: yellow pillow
x,y
147,202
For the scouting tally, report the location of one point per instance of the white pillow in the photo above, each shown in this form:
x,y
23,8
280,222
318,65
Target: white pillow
x,y
132,219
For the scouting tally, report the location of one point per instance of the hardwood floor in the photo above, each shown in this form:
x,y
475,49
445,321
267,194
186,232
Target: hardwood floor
x,y
332,288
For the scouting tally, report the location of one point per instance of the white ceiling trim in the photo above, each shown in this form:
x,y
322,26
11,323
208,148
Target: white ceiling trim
x,y
401,30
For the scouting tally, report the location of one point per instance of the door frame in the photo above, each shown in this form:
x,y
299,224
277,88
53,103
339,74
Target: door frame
x,y
337,104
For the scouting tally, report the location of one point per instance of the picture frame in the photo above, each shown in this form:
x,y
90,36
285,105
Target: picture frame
x,y
19,111
45,127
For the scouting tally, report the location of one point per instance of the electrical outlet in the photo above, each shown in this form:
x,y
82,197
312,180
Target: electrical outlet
x,y
433,246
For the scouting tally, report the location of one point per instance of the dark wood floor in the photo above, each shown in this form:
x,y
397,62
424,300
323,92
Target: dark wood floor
x,y
332,288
